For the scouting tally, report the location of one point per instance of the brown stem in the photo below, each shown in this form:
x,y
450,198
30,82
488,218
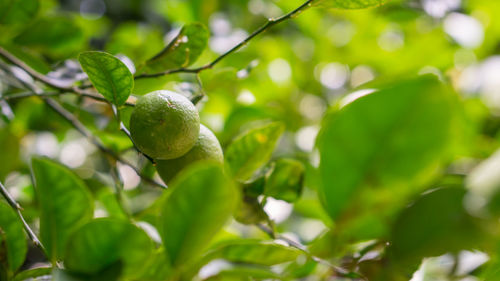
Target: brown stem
x,y
270,23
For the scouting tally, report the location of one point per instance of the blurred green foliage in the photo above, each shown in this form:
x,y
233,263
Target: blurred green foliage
x,y
361,135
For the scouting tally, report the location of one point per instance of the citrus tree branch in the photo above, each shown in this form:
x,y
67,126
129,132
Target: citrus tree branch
x,y
17,208
94,140
51,82
339,271
270,23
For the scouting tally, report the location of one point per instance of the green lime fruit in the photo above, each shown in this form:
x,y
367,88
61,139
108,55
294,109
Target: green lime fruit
x,y
164,125
207,147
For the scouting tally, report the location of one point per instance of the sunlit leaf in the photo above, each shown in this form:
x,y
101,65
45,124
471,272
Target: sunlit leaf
x,y
201,202
182,51
386,138
65,204
12,239
104,242
109,75
252,149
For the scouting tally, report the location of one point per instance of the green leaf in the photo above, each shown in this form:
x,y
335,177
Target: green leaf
x,y
435,224
104,242
350,4
32,273
109,75
157,268
65,204
253,252
286,180
12,238
183,51
252,149
17,11
201,202
390,138
245,273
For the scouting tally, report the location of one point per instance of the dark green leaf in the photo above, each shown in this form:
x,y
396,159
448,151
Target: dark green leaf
x,y
65,204
434,224
388,138
252,149
250,211
17,11
286,180
52,35
12,238
104,242
201,202
109,75
183,51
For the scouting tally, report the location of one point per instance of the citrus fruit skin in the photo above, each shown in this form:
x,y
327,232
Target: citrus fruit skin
x,y
164,125
207,147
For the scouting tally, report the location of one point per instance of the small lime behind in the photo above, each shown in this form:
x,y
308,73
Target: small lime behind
x,y
207,147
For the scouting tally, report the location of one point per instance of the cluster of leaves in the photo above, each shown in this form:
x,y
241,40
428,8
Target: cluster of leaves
x,y
385,179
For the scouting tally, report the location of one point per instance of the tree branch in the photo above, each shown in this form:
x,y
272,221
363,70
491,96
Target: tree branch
x,y
94,140
270,23
54,83
339,271
17,208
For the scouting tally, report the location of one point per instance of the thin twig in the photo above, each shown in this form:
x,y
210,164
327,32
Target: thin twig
x,y
124,129
52,82
17,208
270,23
70,117
338,270
118,187
94,140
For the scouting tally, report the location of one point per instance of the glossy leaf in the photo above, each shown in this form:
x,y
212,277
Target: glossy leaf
x,y
17,11
252,149
435,224
109,75
286,180
386,138
65,204
102,243
201,202
12,239
183,51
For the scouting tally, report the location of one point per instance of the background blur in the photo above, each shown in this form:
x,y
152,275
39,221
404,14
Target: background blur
x,y
291,73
